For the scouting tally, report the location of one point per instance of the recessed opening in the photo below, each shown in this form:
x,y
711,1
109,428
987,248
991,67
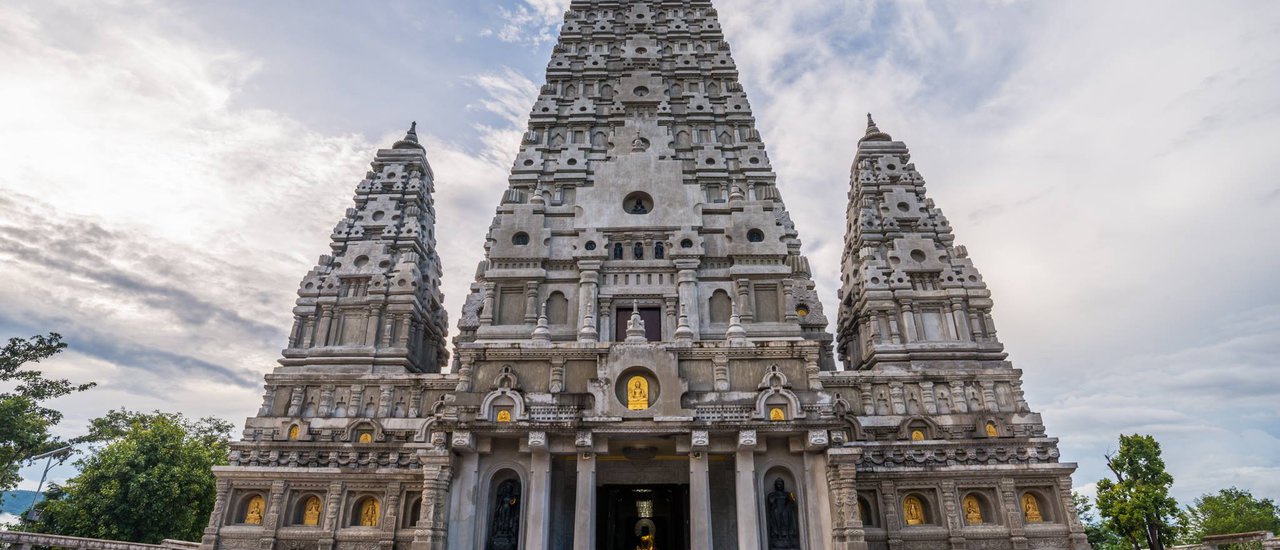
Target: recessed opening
x,y
591,245
520,239
638,202
687,243
918,255
755,236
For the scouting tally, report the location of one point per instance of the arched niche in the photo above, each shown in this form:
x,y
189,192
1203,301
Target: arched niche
x,y
719,307
557,309
918,509
364,431
503,509
306,509
412,511
781,505
250,508
977,508
365,511
869,510
1036,506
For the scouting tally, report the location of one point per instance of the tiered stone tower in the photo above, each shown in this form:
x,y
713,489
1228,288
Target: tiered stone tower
x,y
643,361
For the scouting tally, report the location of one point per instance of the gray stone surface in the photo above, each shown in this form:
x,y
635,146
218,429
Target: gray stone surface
x,y
643,239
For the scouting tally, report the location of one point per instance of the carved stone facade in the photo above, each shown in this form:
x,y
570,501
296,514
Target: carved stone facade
x,y
643,359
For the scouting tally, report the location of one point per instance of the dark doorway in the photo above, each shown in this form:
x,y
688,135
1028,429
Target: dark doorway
x,y
652,317
625,512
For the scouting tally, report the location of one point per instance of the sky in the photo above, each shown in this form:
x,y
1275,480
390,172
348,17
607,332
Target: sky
x,y
170,170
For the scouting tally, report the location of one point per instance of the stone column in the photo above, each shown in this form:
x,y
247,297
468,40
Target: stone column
x,y
745,485
588,285
584,517
909,323
669,319
745,310
462,511
687,281
606,319
322,331
818,500
699,493
531,303
537,526
847,532
210,538
433,523
371,326
960,320
486,311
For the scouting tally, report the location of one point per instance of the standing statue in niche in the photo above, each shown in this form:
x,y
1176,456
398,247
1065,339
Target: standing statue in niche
x,y
504,532
638,249
784,529
646,539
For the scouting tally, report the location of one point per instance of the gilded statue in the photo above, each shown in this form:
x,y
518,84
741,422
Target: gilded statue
x,y
637,393
991,430
776,414
504,416
369,513
917,435
646,539
311,512
293,432
253,513
1031,508
913,510
365,437
972,510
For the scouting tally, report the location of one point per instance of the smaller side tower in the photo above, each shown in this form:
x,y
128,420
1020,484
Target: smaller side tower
x,y
375,301
907,292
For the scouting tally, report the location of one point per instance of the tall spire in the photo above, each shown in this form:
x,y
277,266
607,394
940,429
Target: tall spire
x,y
375,300
642,175
909,292
410,139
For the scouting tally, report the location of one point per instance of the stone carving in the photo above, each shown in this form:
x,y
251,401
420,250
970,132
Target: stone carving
x,y
700,439
783,525
504,530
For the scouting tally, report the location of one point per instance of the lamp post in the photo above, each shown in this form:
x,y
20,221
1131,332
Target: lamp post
x,y
61,454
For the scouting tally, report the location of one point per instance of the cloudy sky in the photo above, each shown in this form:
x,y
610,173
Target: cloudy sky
x,y
169,171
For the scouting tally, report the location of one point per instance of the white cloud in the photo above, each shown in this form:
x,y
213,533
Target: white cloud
x,y
531,21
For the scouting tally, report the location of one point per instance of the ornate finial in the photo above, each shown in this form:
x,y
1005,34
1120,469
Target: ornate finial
x,y
410,139
873,132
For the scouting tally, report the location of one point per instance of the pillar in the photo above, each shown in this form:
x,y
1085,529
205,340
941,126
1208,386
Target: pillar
x,y
699,494
584,517
847,531
537,526
687,281
462,510
818,500
745,485
588,283
433,523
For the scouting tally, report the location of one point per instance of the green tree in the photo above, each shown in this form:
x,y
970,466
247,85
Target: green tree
x,y
24,419
1137,504
1100,536
152,480
1231,511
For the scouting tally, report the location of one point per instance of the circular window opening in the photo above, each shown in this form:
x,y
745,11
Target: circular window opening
x,y
528,162
755,236
572,162
711,162
904,206
591,245
362,261
754,160
520,239
892,166
687,243
641,91
642,51
638,202
802,309
917,255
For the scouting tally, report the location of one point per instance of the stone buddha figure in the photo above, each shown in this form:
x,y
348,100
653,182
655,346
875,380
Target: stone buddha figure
x,y
505,529
784,527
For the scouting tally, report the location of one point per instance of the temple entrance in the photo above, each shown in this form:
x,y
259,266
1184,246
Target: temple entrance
x,y
642,517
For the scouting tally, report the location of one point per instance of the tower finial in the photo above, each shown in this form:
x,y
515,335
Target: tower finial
x,y
873,132
410,139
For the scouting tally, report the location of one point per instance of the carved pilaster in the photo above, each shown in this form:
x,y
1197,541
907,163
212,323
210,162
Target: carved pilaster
x,y
557,374
433,523
720,371
847,531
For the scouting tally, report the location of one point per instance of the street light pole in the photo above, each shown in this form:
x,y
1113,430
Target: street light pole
x,y
61,454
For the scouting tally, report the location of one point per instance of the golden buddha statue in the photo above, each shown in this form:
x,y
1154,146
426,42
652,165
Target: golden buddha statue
x,y
913,510
369,513
1031,508
991,430
311,512
917,435
776,414
293,432
637,393
365,437
253,513
504,416
972,510
646,539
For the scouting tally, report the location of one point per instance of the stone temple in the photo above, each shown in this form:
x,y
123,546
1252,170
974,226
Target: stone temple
x,y
643,361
